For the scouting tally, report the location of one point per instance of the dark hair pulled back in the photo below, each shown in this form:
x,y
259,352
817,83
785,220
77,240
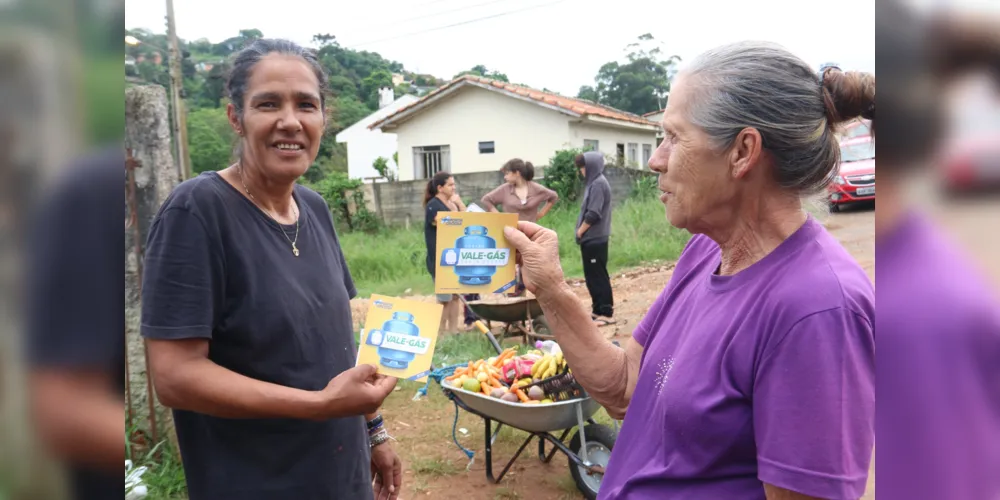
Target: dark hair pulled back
x,y
439,179
524,168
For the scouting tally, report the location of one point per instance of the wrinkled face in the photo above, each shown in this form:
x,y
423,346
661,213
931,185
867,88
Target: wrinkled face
x,y
283,120
695,181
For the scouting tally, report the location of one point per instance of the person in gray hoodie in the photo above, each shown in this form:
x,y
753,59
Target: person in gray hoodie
x,y
593,229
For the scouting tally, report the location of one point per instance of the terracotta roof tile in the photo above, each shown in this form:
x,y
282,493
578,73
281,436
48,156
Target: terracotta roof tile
x,y
573,105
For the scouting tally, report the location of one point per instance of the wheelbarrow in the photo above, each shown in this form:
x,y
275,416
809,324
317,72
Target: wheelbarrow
x,y
589,449
520,317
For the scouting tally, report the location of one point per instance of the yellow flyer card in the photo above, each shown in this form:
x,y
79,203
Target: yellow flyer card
x,y
473,256
399,337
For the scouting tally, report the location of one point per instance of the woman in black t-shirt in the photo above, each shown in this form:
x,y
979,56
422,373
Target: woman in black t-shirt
x,y
441,196
246,310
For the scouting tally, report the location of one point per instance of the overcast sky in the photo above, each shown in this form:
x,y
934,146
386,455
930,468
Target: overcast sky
x,y
543,43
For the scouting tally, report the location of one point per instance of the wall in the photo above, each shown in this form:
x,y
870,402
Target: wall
x,y
518,129
609,137
362,151
401,203
365,145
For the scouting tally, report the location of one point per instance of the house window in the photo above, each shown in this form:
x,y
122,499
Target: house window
x,y
647,153
486,148
591,145
633,154
429,160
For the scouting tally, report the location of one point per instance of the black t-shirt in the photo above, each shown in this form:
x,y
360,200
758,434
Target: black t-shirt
x,y
218,268
76,301
434,206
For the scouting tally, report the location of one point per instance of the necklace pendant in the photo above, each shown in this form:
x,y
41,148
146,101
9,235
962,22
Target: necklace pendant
x,y
295,250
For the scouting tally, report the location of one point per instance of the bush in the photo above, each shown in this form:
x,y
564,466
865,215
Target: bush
x,y
340,191
563,177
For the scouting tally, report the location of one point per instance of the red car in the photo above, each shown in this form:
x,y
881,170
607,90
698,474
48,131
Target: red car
x,y
855,180
970,161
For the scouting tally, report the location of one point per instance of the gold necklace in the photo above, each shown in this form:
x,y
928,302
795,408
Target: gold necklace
x,y
295,249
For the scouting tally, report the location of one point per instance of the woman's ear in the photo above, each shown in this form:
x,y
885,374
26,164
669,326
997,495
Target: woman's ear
x,y
745,152
234,119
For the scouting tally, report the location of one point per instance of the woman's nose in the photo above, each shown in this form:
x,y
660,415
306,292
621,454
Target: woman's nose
x,y
658,162
289,121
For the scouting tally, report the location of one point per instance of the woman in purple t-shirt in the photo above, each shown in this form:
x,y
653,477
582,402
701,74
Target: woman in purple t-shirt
x,y
753,374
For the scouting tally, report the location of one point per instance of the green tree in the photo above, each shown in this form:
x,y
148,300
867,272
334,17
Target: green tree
x,y
589,93
562,176
210,139
640,84
483,71
371,85
251,35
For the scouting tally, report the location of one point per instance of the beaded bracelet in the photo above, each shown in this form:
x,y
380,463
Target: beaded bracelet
x,y
375,422
379,438
373,430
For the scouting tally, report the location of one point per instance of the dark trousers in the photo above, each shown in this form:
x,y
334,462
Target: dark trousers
x,y
595,271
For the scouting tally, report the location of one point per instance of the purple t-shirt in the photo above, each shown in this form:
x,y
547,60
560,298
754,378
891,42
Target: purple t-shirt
x,y
938,423
767,376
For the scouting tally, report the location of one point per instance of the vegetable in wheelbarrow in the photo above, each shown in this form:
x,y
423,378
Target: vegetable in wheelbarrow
x,y
533,378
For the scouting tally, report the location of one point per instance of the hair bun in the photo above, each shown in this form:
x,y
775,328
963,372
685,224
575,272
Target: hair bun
x,y
847,95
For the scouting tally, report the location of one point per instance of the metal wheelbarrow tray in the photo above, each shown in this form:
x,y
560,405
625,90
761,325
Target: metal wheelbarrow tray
x,y
542,421
522,316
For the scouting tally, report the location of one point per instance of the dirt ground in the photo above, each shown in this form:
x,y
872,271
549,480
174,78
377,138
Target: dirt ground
x,y
436,468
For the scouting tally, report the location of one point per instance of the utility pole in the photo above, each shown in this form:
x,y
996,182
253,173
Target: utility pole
x,y
176,85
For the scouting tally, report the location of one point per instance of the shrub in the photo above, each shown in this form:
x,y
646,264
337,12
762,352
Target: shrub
x,y
563,177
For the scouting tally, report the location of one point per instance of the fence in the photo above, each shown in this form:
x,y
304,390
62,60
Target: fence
x,y
401,203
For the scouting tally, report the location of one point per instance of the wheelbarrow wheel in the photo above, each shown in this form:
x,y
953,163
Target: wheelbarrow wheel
x,y
540,327
600,442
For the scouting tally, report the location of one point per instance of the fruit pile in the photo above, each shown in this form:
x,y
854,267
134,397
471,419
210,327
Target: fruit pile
x,y
517,378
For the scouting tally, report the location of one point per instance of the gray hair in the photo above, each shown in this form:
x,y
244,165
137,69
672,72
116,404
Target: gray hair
x,y
762,85
248,57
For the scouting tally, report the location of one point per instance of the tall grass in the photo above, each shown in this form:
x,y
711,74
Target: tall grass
x,y
392,261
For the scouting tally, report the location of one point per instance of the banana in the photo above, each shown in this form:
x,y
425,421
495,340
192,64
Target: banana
x,y
559,361
548,368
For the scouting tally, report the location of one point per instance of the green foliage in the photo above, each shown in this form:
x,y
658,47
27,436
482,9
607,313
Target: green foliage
x,y
341,192
347,110
381,165
372,83
481,70
589,93
562,175
210,139
640,84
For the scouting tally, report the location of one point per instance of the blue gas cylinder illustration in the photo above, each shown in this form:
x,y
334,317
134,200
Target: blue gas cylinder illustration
x,y
402,324
475,238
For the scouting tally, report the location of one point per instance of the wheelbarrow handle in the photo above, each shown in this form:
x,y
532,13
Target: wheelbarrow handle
x,y
486,331
482,327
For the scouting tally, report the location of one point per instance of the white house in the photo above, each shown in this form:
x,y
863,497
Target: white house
x,y
474,124
365,145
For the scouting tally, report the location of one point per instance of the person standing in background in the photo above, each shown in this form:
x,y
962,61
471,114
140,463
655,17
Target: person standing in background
x,y
520,194
593,230
441,196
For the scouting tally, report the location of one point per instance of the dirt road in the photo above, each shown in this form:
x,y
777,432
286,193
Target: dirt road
x,y
436,468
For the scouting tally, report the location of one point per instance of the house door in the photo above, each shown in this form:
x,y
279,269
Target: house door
x,y
429,160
